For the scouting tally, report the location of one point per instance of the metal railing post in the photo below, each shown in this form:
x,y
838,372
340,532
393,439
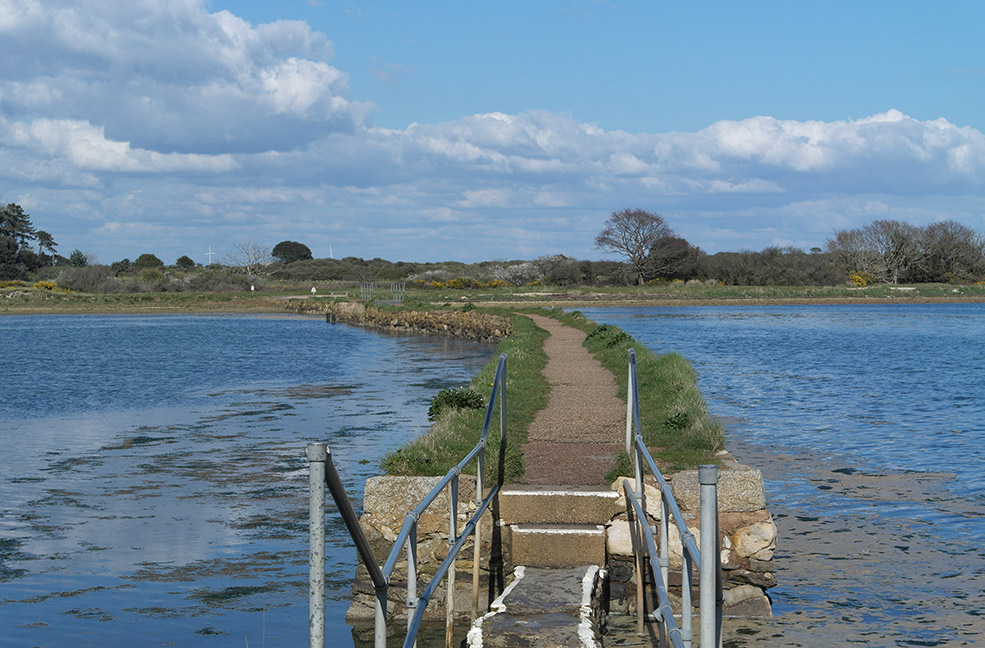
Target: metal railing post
x,y
629,405
477,536
452,539
316,453
710,557
411,574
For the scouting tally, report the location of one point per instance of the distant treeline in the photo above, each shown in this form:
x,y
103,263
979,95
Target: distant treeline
x,y
885,251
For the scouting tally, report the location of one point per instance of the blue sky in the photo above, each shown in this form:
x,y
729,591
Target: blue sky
x,y
479,131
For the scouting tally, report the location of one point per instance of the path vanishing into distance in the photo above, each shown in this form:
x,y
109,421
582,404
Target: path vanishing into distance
x,y
576,438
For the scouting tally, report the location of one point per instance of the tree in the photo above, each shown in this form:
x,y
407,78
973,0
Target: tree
x,y
950,251
46,242
78,258
633,233
291,251
185,262
249,257
148,260
672,257
15,224
16,233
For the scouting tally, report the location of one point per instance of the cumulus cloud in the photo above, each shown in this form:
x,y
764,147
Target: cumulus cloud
x,y
119,117
172,76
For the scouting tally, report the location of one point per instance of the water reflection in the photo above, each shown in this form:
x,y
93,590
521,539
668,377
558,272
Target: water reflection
x,y
167,499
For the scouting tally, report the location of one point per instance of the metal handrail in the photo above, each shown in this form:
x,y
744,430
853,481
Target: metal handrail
x,y
708,557
323,471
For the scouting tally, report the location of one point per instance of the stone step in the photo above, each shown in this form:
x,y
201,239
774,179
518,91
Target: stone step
x,y
558,505
557,545
544,608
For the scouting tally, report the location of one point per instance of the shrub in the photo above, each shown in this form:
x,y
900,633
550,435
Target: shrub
x,y
861,279
609,336
455,399
46,285
83,279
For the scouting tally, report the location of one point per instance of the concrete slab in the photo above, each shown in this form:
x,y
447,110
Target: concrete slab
x,y
557,545
558,505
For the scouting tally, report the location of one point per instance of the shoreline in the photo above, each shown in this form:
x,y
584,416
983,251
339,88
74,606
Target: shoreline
x,y
274,305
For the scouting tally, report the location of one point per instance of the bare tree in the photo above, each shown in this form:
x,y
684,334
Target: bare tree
x,y
633,233
249,257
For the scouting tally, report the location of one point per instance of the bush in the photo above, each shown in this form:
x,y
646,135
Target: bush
x,y
46,285
455,399
609,336
83,279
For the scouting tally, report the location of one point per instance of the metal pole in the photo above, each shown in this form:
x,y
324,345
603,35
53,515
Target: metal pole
x,y
687,608
477,539
452,539
710,558
334,484
411,576
629,405
316,453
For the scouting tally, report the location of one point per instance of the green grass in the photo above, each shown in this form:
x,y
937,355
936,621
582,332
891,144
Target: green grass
x,y
675,422
457,431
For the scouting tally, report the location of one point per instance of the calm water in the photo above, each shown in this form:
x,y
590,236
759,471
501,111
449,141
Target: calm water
x,y
869,425
153,486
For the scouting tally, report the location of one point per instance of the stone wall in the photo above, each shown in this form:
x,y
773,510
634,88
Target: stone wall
x,y
471,325
748,539
386,502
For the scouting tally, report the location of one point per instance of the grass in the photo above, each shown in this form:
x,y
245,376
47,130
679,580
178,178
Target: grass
x,y
22,298
676,425
457,430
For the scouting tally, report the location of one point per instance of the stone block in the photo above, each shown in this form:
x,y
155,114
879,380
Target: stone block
x,y
738,490
755,541
557,546
546,505
650,491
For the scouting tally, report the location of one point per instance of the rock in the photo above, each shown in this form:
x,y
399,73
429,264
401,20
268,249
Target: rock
x,y
764,580
738,490
650,492
755,541
747,601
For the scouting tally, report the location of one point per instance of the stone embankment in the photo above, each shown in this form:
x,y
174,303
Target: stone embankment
x,y
470,325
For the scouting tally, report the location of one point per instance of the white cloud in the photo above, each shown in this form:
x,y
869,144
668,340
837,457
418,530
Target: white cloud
x,y
170,75
160,112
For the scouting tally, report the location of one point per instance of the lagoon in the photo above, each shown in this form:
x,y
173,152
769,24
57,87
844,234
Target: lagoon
x,y
868,422
153,488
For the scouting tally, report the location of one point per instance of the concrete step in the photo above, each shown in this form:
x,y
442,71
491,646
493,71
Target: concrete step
x,y
558,505
557,545
544,608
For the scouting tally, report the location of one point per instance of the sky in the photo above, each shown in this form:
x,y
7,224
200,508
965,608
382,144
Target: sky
x,y
432,131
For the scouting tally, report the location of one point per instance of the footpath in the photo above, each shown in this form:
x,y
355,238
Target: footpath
x,y
555,517
576,438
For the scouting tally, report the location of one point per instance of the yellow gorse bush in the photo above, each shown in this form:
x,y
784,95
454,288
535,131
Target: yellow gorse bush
x,y
45,285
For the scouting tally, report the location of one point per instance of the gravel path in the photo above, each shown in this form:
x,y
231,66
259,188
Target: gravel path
x,y
575,439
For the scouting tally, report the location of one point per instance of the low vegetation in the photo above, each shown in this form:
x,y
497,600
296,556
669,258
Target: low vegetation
x,y
676,424
674,419
457,430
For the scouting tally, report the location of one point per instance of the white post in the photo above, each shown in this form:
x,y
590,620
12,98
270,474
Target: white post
x,y
317,454
710,559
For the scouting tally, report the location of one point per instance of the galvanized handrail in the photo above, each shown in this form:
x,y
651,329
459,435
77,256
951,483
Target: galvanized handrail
x,y
323,471
707,557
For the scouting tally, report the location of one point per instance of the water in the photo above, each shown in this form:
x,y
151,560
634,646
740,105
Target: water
x,y
868,423
153,488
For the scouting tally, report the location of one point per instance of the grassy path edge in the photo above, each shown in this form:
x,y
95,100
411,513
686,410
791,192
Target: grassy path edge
x,y
676,423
